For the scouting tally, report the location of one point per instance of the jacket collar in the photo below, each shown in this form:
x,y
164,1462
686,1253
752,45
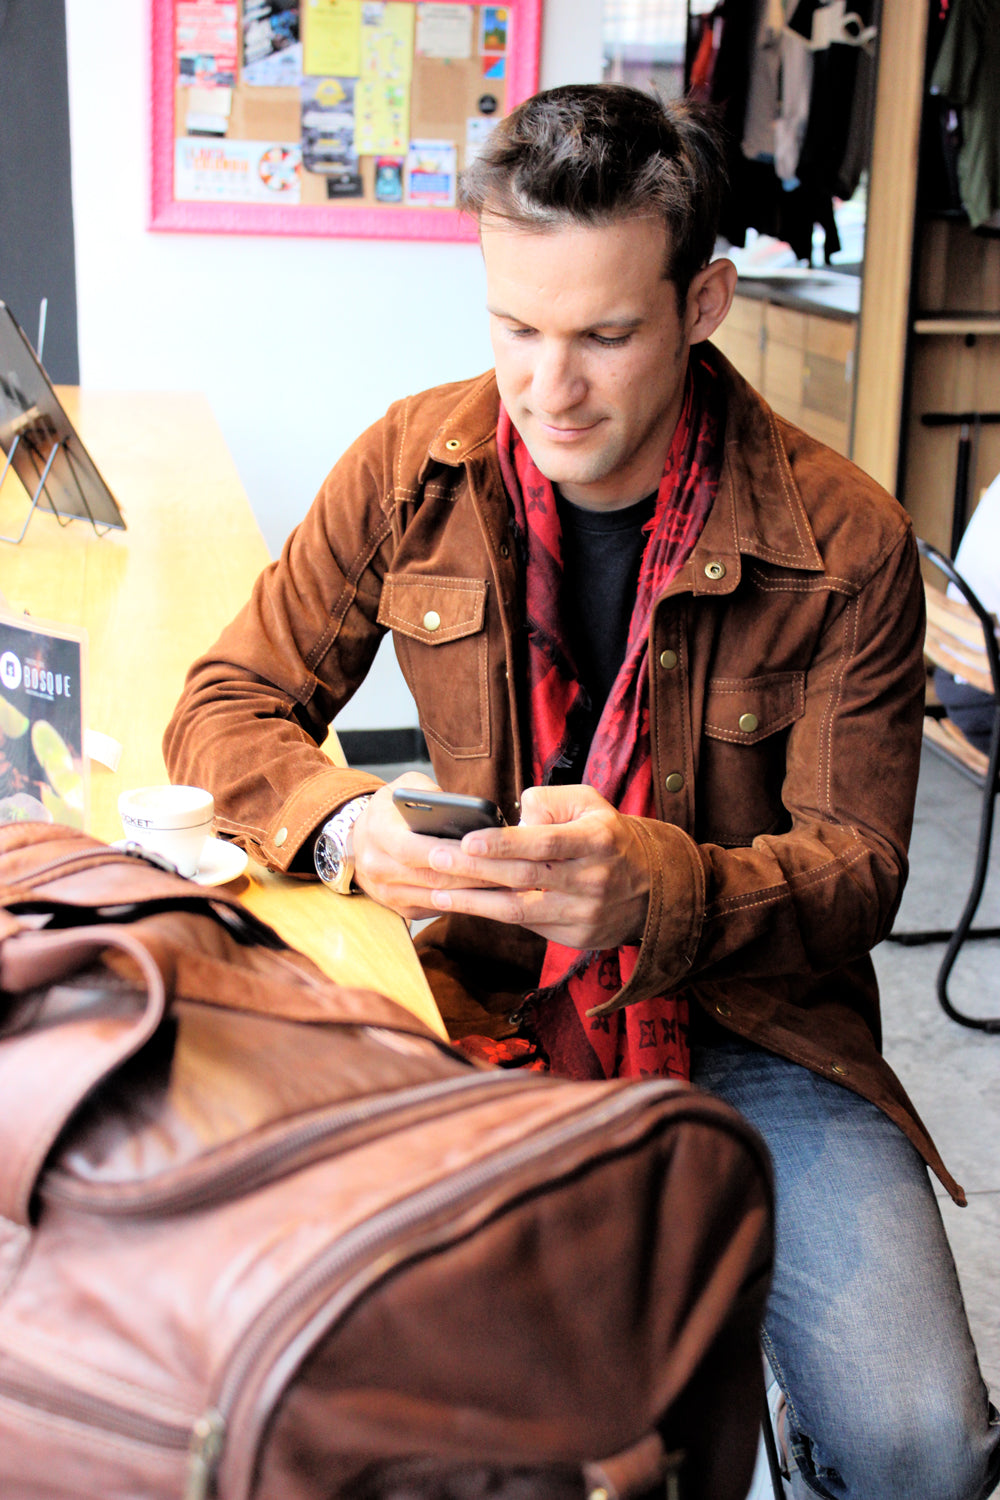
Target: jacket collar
x,y
467,429
758,511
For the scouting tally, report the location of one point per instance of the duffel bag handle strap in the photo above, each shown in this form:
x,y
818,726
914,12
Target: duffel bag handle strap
x,y
47,1069
644,1469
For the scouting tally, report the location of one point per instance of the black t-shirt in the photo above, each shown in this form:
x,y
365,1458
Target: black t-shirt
x,y
602,554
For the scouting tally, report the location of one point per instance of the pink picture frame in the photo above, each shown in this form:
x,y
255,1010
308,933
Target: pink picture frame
x,y
361,221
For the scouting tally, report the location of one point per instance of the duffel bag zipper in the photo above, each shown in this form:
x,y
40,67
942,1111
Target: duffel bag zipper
x,y
32,1386
293,1148
325,1291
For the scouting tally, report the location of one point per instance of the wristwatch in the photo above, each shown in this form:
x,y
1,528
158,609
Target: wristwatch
x,y
334,852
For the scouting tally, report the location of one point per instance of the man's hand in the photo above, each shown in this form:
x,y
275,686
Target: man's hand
x,y
391,862
574,870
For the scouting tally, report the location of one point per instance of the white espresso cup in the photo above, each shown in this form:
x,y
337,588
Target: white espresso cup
x,y
172,821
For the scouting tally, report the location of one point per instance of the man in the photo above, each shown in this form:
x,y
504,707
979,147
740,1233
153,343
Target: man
x,y
680,643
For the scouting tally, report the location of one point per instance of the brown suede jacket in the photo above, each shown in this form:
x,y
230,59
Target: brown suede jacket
x,y
786,682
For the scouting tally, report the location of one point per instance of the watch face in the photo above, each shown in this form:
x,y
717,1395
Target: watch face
x,y
330,862
334,853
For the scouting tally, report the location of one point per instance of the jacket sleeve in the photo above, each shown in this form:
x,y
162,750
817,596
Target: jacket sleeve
x,y
256,708
799,904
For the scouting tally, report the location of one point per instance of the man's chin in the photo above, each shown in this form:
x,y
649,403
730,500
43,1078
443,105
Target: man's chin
x,y
563,467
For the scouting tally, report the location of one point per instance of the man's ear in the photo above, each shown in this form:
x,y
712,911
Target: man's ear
x,y
709,299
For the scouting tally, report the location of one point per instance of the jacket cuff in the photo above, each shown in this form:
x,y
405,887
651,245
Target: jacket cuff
x,y
674,918
307,809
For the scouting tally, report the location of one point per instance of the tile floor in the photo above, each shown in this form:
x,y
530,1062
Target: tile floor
x,y
950,1072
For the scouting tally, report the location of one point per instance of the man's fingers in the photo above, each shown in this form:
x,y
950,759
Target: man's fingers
x,y
590,833
549,913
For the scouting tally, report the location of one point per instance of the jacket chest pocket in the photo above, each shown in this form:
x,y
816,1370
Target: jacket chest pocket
x,y
742,768
438,631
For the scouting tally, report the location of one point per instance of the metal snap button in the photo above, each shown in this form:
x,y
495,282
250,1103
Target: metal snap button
x,y
432,620
452,444
748,723
668,660
280,837
722,1008
674,781
715,570
836,1068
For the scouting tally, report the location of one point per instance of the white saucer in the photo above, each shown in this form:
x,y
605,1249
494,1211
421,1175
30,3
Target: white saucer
x,y
220,861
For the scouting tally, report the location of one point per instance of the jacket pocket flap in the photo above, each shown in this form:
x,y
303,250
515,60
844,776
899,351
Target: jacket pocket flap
x,y
744,710
431,608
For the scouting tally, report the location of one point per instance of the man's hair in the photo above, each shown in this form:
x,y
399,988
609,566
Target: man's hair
x,y
598,152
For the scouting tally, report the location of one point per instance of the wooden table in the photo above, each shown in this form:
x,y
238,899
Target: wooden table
x,y
152,598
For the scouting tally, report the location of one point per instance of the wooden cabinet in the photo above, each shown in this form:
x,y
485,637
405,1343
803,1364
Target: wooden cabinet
x,y
741,339
801,361
954,367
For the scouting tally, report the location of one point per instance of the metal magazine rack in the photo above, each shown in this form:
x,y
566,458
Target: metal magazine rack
x,y
41,445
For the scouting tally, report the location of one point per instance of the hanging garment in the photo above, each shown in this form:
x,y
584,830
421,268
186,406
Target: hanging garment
x,y
967,75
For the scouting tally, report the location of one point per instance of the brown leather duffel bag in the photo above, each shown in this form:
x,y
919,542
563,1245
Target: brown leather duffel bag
x,y
263,1236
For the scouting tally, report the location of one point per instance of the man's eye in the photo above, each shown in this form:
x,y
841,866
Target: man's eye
x,y
609,341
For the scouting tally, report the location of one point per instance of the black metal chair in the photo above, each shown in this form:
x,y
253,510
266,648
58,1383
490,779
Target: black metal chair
x,y
961,639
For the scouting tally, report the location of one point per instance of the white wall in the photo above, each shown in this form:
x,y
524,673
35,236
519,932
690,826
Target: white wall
x,y
298,344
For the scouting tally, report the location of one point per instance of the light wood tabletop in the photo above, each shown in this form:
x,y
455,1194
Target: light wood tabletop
x,y
152,598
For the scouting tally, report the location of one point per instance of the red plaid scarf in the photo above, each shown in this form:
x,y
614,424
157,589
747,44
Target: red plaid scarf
x,y
649,1037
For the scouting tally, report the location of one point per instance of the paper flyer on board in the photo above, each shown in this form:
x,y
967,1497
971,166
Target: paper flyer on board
x,y
383,94
43,770
272,51
328,123
431,174
444,30
237,171
332,40
206,43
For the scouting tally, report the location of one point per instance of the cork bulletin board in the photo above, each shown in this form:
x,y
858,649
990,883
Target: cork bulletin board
x,y
329,117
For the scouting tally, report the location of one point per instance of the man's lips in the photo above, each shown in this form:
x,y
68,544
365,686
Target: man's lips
x,y
565,434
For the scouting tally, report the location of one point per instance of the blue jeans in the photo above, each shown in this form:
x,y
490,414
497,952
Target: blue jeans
x,y
865,1328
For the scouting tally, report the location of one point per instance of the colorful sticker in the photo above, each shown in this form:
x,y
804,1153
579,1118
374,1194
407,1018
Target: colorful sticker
x,y
279,169
389,179
493,28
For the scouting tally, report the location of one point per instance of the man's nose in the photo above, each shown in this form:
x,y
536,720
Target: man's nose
x,y
557,382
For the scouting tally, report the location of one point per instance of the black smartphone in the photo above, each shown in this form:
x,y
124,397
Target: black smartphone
x,y
446,815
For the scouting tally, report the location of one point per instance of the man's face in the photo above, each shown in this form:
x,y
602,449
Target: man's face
x,y
591,352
